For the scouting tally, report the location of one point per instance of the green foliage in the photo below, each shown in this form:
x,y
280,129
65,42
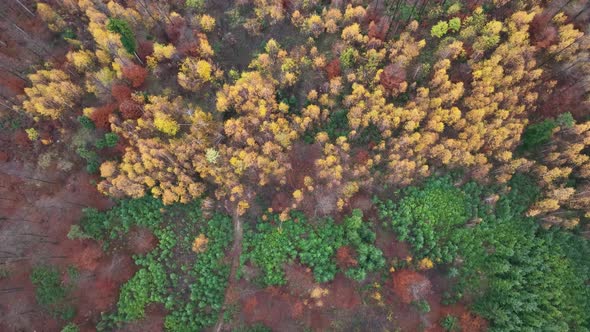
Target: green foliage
x,y
71,327
91,157
455,24
361,238
122,28
109,141
195,4
429,218
348,57
68,33
272,246
76,233
86,122
537,134
454,8
450,323
192,294
422,306
32,134
523,192
565,120
50,293
113,223
520,277
533,277
440,29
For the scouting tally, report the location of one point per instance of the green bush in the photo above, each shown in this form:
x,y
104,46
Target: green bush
x,y
429,218
114,223
455,24
271,246
71,327
192,294
195,4
91,157
50,293
440,29
348,57
422,306
519,276
109,141
86,122
122,28
537,134
76,233
450,323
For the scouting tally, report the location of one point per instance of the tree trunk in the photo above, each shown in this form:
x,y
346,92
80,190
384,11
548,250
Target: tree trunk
x,y
25,7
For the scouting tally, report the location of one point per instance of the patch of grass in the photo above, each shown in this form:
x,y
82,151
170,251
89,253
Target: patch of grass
x,y
50,292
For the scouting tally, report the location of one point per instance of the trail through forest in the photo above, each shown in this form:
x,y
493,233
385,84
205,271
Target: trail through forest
x,y
235,254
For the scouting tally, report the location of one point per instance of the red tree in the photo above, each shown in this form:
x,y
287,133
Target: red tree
x,y
130,109
392,76
333,68
120,92
135,73
101,114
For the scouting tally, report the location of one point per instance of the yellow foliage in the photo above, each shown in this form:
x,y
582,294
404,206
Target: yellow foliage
x,y
165,123
425,264
53,20
82,59
200,243
352,33
207,23
317,292
204,70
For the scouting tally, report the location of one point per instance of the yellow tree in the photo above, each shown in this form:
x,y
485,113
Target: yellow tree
x,y
52,94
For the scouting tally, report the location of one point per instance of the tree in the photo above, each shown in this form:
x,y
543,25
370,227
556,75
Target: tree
x,y
52,94
127,36
52,18
135,73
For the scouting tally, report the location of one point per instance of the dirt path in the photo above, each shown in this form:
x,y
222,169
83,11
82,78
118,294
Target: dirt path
x,y
235,254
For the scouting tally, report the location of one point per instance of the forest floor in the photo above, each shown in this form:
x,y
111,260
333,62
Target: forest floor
x,y
39,207
37,211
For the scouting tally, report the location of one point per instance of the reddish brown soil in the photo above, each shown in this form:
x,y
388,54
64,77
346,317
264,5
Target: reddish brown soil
x,y
38,208
141,241
410,285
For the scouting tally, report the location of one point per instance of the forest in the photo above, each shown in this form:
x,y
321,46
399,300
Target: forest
x,y
294,165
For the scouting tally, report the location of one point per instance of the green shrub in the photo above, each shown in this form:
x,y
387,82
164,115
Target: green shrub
x,y
50,293
440,29
71,327
109,141
450,323
270,246
114,223
195,4
429,218
86,122
76,233
537,134
519,276
422,306
192,294
348,57
565,120
455,24
122,28
91,157
4,273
